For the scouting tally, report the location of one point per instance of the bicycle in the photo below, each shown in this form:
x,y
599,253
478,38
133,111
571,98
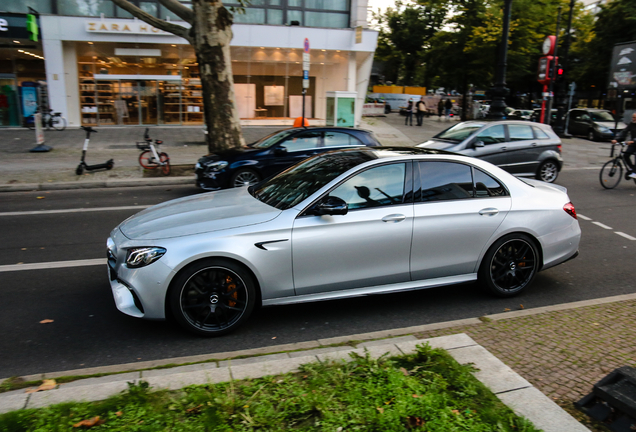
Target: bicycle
x,y
50,120
612,171
151,157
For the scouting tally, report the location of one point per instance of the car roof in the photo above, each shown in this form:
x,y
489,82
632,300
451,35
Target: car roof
x,y
334,128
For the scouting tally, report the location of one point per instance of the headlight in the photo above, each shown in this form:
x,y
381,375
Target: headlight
x,y
197,166
217,166
140,257
603,129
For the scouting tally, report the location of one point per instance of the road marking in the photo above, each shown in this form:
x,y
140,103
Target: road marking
x,y
54,264
77,210
627,236
584,217
602,225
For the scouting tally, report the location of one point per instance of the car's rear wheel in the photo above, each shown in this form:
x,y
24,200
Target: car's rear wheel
x,y
212,297
548,171
510,265
591,135
243,177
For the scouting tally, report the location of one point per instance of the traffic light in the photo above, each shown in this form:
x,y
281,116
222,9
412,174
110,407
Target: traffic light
x,y
559,71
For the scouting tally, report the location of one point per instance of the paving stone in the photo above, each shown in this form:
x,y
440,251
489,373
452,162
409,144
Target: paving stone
x,y
76,394
177,370
180,380
258,370
315,352
130,376
337,355
251,360
387,341
13,401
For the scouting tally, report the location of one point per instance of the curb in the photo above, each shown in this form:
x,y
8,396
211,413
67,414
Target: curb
x,y
513,390
142,181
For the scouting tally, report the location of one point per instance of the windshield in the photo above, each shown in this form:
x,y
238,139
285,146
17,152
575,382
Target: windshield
x,y
459,132
300,181
272,139
601,116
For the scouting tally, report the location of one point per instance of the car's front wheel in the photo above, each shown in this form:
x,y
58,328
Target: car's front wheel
x,y
244,177
212,297
591,135
548,171
510,265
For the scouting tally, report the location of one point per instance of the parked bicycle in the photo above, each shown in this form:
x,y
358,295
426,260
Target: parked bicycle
x,y
50,120
612,172
151,157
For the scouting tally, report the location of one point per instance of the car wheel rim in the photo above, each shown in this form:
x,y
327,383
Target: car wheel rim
x,y
548,172
213,299
513,266
245,177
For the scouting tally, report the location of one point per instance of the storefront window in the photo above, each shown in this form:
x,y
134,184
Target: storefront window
x,y
275,16
149,8
42,6
326,19
338,5
294,15
251,16
85,7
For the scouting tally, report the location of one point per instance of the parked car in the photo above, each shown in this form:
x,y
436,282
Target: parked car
x,y
536,115
520,114
594,124
274,153
341,224
521,148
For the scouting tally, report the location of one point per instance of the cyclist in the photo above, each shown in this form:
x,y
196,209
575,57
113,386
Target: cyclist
x,y
631,147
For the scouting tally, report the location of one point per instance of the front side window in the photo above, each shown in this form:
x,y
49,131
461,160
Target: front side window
x,y
459,132
375,187
492,135
340,139
303,141
520,132
442,181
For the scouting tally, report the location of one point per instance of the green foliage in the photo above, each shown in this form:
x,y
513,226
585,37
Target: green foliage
x,y
427,390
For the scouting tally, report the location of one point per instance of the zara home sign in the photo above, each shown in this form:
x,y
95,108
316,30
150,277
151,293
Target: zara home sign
x,y
123,27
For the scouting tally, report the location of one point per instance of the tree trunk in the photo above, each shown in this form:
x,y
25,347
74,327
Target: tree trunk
x,y
211,34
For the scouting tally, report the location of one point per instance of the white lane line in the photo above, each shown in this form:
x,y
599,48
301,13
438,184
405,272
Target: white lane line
x,y
627,236
54,264
602,225
77,210
583,217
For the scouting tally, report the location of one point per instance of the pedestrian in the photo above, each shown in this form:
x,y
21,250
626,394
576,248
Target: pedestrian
x,y
448,106
409,113
420,110
440,109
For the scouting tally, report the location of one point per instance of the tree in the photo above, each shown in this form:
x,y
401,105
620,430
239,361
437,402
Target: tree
x,y
210,34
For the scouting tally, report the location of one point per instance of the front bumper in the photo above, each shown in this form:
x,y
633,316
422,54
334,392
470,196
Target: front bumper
x,y
210,180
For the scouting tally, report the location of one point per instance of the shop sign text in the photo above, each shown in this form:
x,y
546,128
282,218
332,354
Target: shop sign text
x,y
123,27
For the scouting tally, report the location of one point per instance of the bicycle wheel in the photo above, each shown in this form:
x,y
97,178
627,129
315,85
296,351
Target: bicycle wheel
x,y
147,160
59,123
611,174
165,160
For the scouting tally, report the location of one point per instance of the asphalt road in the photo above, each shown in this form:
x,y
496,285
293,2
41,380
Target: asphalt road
x,y
87,330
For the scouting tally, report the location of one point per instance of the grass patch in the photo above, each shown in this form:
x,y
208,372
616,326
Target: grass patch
x,y
427,391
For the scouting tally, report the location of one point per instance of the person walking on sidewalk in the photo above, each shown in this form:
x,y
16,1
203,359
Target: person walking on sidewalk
x,y
420,110
448,106
631,147
440,109
409,113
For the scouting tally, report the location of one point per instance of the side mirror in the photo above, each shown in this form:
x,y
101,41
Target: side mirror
x,y
330,205
280,151
478,143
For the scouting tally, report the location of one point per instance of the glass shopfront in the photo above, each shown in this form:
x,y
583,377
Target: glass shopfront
x,y
135,84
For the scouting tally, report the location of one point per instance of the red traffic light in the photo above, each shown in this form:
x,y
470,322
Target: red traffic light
x,y
559,70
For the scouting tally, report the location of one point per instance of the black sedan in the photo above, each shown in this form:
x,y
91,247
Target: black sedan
x,y
274,153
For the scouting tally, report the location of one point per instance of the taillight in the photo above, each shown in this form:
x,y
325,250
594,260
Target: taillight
x,y
569,209
559,147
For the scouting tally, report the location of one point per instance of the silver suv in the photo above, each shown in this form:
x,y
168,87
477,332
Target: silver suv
x,y
521,148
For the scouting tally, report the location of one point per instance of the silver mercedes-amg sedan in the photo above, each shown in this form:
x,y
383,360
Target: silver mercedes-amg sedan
x,y
342,224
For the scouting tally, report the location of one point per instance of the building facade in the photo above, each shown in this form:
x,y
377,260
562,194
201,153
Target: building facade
x,y
103,67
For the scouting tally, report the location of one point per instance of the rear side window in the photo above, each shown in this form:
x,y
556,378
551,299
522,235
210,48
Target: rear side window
x,y
520,132
539,133
340,139
486,186
445,181
303,141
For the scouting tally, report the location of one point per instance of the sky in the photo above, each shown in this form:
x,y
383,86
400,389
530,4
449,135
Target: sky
x,y
382,4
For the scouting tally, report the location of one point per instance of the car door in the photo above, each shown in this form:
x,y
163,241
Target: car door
x,y
292,150
523,150
578,122
368,246
494,145
456,212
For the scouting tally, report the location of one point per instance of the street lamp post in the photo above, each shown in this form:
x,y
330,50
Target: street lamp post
x,y
499,90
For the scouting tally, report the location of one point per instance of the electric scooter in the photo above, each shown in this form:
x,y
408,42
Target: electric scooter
x,y
82,165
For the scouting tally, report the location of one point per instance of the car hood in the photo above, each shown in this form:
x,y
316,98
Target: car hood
x,y
610,124
438,145
214,211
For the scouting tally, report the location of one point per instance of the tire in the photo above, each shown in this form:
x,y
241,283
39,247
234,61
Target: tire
x,y
243,176
591,135
611,174
212,297
165,169
79,170
509,266
147,160
59,123
548,171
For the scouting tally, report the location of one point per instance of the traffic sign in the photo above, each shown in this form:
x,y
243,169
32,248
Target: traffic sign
x,y
305,83
306,74
306,46
306,57
305,66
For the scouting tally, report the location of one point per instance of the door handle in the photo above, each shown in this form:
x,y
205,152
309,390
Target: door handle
x,y
488,211
504,148
533,144
393,218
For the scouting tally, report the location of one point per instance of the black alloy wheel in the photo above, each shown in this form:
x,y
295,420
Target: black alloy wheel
x,y
510,265
548,171
212,297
